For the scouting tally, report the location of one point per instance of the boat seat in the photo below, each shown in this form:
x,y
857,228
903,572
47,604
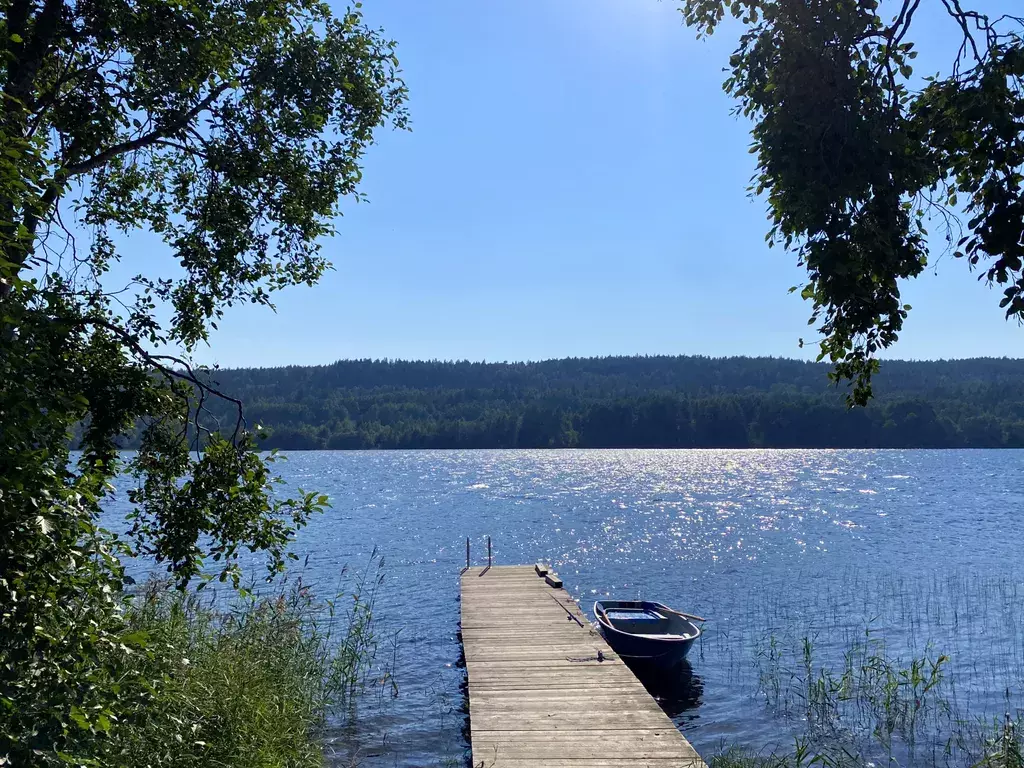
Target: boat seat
x,y
630,614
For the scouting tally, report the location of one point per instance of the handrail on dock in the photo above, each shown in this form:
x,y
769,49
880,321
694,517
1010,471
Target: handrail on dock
x,y
488,555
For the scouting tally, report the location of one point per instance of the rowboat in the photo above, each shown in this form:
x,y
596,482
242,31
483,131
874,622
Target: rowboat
x,y
646,631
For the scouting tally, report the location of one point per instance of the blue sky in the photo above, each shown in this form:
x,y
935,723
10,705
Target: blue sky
x,y
573,185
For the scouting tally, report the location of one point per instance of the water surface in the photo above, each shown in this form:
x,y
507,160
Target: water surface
x,y
918,546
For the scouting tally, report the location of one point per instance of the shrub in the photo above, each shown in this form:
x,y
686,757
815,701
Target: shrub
x,y
192,683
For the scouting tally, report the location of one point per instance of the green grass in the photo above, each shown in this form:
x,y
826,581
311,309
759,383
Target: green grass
x,y
885,671
250,686
1001,746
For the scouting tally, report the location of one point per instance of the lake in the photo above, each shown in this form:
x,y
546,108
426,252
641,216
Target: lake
x,y
918,549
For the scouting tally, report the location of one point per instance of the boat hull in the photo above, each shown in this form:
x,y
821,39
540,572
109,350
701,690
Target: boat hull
x,y
661,653
646,632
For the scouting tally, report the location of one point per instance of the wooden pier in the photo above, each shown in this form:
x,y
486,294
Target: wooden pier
x,y
545,690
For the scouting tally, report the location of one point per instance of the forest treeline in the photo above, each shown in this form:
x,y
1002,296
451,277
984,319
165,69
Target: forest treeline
x,y
678,402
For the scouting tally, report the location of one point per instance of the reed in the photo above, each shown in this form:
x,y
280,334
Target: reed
x,y
268,680
884,670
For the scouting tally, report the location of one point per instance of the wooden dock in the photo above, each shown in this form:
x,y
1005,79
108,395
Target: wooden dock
x,y
539,697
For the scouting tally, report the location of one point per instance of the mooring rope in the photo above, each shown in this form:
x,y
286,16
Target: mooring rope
x,y
600,657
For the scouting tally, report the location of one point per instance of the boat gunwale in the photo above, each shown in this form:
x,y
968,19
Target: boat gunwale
x,y
601,613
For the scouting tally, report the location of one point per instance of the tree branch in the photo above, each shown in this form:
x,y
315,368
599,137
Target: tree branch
x,y
17,22
35,214
906,16
183,372
143,141
24,67
958,14
181,147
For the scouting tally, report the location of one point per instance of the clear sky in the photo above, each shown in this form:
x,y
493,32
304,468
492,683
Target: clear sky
x,y
573,185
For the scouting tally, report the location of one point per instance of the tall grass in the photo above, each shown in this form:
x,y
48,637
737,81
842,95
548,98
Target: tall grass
x,y
886,671
258,683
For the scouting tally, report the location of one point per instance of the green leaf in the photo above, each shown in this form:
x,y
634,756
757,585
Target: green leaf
x,y
79,717
136,639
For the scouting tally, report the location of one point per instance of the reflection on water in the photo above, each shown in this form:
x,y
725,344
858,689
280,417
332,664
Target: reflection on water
x,y
678,689
918,546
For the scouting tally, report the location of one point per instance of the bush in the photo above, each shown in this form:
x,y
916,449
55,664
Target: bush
x,y
191,684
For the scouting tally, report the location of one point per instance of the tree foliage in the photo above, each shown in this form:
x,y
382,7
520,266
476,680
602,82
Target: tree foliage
x,y
856,154
634,402
230,130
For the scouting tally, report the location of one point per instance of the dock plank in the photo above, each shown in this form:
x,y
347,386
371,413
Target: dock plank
x,y
539,697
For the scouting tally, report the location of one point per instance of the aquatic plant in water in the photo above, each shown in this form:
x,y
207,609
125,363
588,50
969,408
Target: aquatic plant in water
x,y
890,697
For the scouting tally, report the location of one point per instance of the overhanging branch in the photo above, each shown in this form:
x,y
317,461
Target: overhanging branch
x,y
171,367
141,142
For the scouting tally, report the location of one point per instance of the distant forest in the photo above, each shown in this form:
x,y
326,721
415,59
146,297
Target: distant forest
x,y
642,402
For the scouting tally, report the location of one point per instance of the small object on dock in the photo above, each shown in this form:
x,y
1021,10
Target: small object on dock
x,y
541,569
553,580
